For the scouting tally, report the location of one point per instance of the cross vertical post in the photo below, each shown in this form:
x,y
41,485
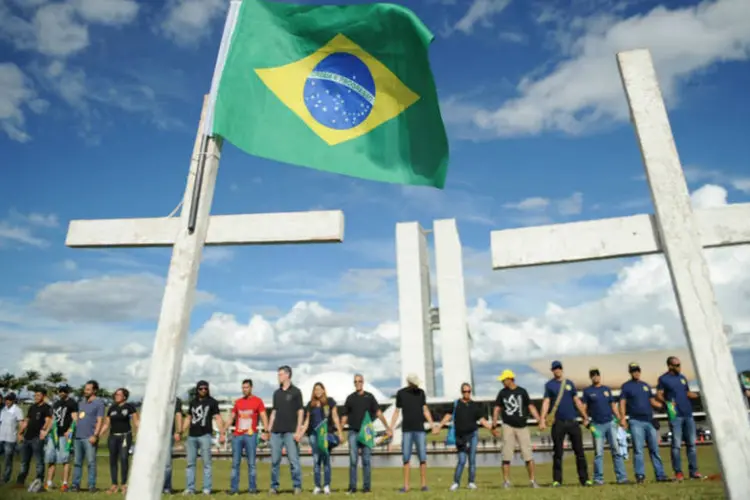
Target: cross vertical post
x,y
154,435
681,244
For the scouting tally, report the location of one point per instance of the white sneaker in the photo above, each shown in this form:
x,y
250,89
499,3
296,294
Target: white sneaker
x,y
506,484
472,486
327,490
316,491
454,487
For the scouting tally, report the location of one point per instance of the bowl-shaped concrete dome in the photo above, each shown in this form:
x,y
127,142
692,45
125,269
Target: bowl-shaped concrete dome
x,y
614,367
338,386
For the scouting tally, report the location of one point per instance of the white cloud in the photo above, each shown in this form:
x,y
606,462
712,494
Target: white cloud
x,y
132,297
698,174
16,91
217,255
18,228
58,31
532,204
187,22
540,210
584,89
109,12
480,12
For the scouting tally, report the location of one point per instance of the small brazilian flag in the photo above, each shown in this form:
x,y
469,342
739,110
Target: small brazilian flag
x,y
367,431
342,88
671,410
321,433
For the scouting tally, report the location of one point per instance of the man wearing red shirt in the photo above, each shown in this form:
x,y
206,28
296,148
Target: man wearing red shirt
x,y
245,415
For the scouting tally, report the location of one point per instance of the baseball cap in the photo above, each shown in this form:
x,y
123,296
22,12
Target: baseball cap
x,y
556,365
413,379
507,374
64,388
634,367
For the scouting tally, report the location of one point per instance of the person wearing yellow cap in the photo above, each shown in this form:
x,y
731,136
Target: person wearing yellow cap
x,y
514,404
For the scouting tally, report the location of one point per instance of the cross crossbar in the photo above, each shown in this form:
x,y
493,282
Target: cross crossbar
x,y
610,238
243,229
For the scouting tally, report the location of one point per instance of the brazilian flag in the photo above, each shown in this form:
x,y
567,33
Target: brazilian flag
x,y
342,88
367,431
321,434
671,411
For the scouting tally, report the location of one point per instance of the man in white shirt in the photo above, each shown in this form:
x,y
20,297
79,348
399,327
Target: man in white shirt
x,y
10,417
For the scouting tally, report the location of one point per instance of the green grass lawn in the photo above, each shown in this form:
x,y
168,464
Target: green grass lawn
x,y
386,482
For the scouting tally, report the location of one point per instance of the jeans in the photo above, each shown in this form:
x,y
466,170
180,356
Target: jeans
x,y
202,443
354,447
84,449
609,433
8,449
249,444
572,429
168,468
119,446
57,454
31,447
409,441
644,432
286,440
469,451
320,459
684,428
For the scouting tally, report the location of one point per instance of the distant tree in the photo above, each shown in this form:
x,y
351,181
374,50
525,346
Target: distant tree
x,y
7,381
78,392
32,376
104,393
192,393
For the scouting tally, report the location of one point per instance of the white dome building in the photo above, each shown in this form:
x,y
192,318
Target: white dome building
x,y
340,384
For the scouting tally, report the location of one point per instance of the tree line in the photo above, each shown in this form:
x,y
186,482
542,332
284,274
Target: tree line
x,y
32,380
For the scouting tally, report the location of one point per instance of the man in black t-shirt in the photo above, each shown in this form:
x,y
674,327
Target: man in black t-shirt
x,y
176,429
412,403
357,404
203,411
514,403
286,423
467,415
34,429
64,412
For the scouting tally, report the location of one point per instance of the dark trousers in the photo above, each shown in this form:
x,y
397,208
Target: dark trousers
x,y
119,445
572,429
31,447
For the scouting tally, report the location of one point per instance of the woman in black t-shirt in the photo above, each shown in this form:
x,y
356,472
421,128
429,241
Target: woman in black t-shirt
x,y
121,420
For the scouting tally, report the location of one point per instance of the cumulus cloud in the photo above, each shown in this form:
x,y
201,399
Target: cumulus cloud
x,y
16,93
22,229
584,89
480,12
133,297
188,22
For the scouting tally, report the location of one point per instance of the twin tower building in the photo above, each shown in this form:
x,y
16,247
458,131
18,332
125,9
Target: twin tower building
x,y
420,319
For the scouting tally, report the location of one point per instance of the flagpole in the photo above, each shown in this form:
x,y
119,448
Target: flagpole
x,y
207,128
154,437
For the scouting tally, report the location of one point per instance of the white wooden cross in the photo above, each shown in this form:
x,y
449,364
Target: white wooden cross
x,y
681,235
147,476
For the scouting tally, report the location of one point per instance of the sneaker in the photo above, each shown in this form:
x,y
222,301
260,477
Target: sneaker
x,y
588,482
75,488
424,488
663,479
206,492
35,486
623,481
188,492
555,484
166,491
679,476
327,490
640,479
403,490
366,490
297,491
506,485
351,491
599,482
472,486
93,489
316,491
273,491
534,484
64,488
697,475
453,487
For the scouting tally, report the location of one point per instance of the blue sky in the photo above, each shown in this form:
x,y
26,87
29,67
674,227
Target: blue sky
x,y
99,102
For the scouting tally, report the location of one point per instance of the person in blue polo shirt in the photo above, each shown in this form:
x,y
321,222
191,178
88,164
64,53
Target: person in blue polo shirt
x,y
672,389
602,410
636,401
561,394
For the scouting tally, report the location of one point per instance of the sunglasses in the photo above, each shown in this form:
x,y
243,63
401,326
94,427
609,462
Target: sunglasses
x,y
202,388
466,391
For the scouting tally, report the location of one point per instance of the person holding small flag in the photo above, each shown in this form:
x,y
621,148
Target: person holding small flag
x,y
320,416
672,389
637,402
602,410
360,407
246,412
60,442
466,413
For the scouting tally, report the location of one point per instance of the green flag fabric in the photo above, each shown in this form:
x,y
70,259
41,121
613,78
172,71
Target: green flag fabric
x,y
342,88
367,431
671,411
321,433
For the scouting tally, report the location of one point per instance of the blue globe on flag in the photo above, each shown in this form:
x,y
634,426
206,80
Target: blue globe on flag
x,y
340,91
